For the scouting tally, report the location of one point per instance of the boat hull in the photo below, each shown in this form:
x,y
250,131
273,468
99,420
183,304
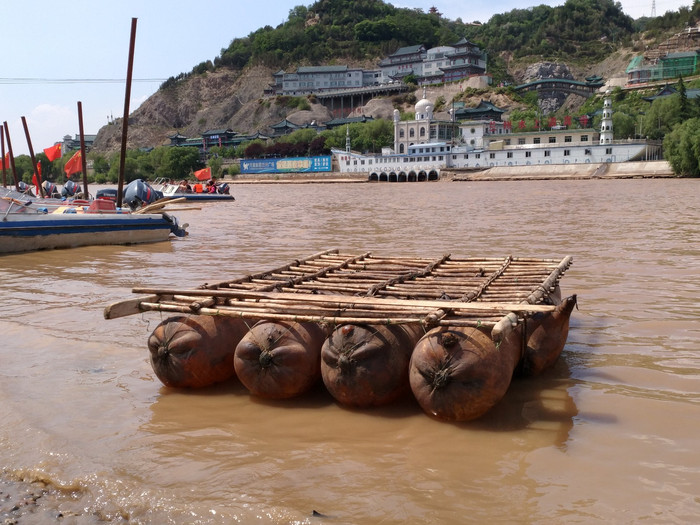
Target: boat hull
x,y
205,197
23,232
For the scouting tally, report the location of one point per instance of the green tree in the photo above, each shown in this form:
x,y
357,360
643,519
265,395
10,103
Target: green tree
x,y
623,125
662,115
683,108
180,162
682,148
99,163
131,168
215,163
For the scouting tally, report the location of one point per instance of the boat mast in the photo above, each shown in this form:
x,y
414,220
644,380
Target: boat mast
x,y
125,120
83,158
2,147
11,155
31,155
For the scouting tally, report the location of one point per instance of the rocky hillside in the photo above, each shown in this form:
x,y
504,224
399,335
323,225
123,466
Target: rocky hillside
x,y
233,99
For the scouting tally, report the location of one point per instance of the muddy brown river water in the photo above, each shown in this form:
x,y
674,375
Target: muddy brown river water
x,y
611,434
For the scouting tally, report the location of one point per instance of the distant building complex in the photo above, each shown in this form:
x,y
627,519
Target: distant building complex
x,y
676,57
432,66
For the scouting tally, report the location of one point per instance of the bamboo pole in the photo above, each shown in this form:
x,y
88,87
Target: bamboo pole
x,y
291,282
160,204
344,299
319,316
224,284
510,321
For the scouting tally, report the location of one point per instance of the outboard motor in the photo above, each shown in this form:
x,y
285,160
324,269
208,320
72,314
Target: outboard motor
x,y
50,189
109,194
139,193
69,189
25,188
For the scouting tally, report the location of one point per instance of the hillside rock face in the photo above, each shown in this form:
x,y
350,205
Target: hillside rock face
x,y
224,99
544,70
541,70
234,99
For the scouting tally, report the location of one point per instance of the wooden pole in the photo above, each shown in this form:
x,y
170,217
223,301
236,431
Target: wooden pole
x,y
12,157
125,120
31,155
82,151
2,146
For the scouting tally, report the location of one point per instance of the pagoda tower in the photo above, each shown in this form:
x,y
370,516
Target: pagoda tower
x,y
606,125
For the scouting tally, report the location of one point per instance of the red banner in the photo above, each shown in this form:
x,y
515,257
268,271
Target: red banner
x,y
204,174
74,165
53,152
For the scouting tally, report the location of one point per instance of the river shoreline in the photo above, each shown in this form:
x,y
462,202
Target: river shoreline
x,y
619,170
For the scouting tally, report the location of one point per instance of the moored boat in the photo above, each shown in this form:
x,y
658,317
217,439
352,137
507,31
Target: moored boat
x,y
27,226
198,191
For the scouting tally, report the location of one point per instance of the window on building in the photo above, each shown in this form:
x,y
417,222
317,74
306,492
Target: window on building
x,y
552,140
528,154
401,133
584,138
567,152
509,155
422,132
567,138
547,153
608,151
536,140
411,132
521,141
492,155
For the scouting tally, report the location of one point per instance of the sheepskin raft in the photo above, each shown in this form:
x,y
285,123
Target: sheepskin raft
x,y
508,310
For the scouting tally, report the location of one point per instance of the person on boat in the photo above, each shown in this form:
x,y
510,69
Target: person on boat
x,y
211,185
185,186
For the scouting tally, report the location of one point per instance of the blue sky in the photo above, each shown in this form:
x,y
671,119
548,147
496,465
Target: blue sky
x,y
82,43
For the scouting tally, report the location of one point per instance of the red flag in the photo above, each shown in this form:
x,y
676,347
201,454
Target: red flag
x,y
204,174
53,152
36,178
74,165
